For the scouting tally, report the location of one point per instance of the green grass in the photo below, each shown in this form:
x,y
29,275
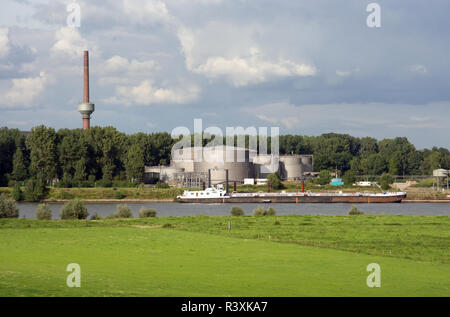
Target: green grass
x,y
112,193
197,256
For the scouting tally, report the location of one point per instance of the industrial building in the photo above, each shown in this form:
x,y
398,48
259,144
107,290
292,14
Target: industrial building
x,y
196,166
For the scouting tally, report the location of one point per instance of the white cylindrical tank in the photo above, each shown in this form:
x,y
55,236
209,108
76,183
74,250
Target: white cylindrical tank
x,y
291,167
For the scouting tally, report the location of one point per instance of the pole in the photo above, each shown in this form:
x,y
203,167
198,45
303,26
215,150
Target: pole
x,y
226,180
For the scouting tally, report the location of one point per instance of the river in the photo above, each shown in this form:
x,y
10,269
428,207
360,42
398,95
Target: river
x,y
28,210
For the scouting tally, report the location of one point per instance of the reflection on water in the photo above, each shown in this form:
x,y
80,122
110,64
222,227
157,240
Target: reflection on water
x,y
28,210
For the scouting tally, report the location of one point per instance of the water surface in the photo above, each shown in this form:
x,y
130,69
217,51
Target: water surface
x,y
28,210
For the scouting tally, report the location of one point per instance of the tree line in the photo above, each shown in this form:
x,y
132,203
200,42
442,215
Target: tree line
x,y
102,155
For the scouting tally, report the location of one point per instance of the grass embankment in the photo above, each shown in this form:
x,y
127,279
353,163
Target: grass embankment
x,y
197,256
108,193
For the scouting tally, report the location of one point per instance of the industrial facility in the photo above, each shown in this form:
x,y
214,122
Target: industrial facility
x,y
200,166
197,166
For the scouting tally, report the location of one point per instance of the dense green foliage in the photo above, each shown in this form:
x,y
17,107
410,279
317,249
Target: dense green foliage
x,y
102,156
8,207
43,212
74,209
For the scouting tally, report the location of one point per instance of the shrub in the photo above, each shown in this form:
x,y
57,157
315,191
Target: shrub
x,y
123,211
261,212
355,211
236,211
167,225
258,212
277,223
119,195
95,217
43,212
17,193
270,212
104,183
8,207
162,185
74,209
147,213
65,195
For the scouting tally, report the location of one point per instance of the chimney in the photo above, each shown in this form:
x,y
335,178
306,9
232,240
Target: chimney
x,y
86,108
86,77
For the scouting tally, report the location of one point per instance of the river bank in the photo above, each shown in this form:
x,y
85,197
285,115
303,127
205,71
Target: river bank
x,y
147,195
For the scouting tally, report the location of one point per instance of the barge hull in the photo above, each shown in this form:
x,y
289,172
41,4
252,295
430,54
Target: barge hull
x,y
297,199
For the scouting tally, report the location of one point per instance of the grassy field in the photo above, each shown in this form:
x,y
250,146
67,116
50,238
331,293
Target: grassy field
x,y
197,256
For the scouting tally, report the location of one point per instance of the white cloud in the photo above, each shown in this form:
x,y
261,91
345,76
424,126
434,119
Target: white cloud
x,y
119,64
240,68
146,11
145,94
70,43
4,42
251,70
24,91
346,73
418,69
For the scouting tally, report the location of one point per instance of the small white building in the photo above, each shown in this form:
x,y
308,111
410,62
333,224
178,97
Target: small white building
x,y
249,181
363,184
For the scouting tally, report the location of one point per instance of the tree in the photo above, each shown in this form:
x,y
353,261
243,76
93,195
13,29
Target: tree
x,y
324,177
17,193
386,181
135,163
431,162
35,189
80,170
20,170
349,177
274,181
41,143
10,140
373,164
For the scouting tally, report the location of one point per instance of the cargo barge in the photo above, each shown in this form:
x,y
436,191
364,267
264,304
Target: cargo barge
x,y
218,195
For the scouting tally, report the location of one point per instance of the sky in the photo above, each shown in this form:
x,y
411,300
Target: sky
x,y
308,67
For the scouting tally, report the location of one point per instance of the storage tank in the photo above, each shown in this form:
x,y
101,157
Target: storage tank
x,y
440,173
265,164
220,158
307,162
291,167
235,160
